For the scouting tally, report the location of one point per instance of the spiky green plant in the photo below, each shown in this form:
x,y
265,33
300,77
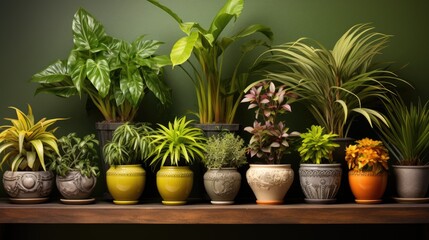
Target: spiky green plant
x,y
317,146
130,144
26,144
335,85
407,138
177,141
225,150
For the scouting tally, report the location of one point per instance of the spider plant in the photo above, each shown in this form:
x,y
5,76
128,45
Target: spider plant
x,y
335,85
407,136
218,97
179,142
130,143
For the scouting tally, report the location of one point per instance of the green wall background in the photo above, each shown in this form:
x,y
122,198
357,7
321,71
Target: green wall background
x,y
34,34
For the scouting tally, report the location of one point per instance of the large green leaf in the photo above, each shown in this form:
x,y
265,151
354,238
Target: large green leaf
x,y
126,53
132,84
87,31
183,48
231,9
56,72
98,74
158,87
113,47
77,68
156,62
61,91
145,48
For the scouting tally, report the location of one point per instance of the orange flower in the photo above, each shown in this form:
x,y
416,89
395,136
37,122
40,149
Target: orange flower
x,y
367,155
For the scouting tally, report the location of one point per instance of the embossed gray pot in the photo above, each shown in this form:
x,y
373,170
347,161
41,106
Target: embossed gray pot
x,y
222,185
28,184
411,181
320,182
75,185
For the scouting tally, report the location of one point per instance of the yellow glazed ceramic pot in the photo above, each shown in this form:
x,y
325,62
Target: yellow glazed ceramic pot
x,y
126,183
174,184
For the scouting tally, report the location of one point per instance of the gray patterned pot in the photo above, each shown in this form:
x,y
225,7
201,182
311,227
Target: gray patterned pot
x,y
222,185
28,186
270,182
75,186
320,182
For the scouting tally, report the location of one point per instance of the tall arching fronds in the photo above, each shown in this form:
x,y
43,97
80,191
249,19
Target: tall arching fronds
x,y
338,84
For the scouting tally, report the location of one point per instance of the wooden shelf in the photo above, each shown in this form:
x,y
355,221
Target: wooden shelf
x,y
103,212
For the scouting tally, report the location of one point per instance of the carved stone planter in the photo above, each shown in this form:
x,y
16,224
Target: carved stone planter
x,y
75,186
320,182
28,186
222,185
270,182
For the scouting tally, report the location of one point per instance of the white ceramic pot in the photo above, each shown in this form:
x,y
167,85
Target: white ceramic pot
x,y
270,182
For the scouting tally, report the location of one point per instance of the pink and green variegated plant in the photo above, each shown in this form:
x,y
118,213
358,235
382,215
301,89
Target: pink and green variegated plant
x,y
270,139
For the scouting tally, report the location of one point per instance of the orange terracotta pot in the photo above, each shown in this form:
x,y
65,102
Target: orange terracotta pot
x,y
367,187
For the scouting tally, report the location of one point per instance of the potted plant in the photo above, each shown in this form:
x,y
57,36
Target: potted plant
x,y
76,168
225,153
218,94
175,147
407,139
28,147
126,177
319,172
368,164
269,143
338,84
114,75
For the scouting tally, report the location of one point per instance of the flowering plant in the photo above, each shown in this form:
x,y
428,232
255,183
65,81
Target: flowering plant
x,y
367,155
269,139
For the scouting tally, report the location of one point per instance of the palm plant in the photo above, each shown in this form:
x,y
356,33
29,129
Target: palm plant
x,y
407,136
336,85
26,144
218,98
176,142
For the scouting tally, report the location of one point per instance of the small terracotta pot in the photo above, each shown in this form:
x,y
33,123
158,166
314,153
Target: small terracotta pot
x,y
367,187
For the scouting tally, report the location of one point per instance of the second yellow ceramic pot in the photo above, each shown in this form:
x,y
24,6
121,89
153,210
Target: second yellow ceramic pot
x,y
174,184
